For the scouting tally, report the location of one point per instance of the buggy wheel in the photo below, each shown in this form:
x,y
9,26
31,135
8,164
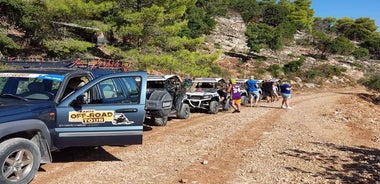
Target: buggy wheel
x,y
184,112
226,104
20,159
161,121
244,100
214,108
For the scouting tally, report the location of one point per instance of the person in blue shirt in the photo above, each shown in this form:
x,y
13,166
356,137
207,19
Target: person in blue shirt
x,y
286,93
252,89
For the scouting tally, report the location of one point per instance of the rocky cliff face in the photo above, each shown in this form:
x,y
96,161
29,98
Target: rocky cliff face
x,y
228,35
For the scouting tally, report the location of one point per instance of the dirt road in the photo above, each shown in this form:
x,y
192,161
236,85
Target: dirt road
x,y
329,137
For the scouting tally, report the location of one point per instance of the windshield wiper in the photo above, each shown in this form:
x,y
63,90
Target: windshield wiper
x,y
13,96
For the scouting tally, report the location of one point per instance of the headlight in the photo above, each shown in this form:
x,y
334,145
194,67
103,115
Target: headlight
x,y
166,104
207,97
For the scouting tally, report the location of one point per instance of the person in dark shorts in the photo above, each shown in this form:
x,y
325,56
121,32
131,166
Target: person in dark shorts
x,y
267,88
286,94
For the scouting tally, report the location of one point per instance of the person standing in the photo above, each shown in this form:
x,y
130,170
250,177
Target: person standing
x,y
286,89
275,95
253,91
234,90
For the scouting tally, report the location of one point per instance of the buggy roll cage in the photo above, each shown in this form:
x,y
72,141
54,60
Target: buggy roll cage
x,y
83,63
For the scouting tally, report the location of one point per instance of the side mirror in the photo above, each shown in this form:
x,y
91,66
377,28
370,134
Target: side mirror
x,y
80,100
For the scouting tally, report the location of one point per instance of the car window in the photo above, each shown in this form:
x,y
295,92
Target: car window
x,y
120,90
29,85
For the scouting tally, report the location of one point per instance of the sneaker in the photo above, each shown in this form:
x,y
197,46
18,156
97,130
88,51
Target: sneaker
x,y
289,107
283,107
236,111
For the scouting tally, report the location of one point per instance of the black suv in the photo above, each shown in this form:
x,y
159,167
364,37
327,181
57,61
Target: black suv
x,y
165,96
43,110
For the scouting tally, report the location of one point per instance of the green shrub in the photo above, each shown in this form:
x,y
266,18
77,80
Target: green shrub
x,y
312,74
275,70
293,66
67,48
371,82
360,53
328,70
7,45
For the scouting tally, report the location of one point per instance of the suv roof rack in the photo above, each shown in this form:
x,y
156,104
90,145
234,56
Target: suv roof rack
x,y
83,63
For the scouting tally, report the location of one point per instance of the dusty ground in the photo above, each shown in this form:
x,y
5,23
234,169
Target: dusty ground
x,y
329,137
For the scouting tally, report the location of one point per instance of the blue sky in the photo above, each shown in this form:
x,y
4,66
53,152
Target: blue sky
x,y
348,8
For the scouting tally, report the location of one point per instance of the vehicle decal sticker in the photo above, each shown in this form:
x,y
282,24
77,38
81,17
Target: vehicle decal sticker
x,y
34,75
94,116
51,77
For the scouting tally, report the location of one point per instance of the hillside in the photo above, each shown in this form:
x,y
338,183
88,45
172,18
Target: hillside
x,y
229,37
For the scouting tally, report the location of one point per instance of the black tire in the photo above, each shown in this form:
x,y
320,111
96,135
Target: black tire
x,y
184,112
161,121
226,104
214,107
26,157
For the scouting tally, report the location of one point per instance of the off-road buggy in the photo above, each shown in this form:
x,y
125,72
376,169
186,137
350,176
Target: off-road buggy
x,y
208,94
165,96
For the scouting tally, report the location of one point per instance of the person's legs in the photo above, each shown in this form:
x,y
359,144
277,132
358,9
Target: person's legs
x,y
285,101
233,105
251,98
238,104
257,95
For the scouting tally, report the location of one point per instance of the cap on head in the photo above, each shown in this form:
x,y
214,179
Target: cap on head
x,y
233,81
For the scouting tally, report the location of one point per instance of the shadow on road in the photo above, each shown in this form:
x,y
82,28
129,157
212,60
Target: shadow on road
x,y
361,166
373,98
83,154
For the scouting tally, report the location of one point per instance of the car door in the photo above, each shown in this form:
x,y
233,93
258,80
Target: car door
x,y
105,118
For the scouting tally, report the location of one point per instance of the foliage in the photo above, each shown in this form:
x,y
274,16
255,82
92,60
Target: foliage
x,y
199,22
328,70
275,70
303,15
322,42
166,35
325,25
287,30
373,45
249,10
7,45
311,74
360,53
28,16
371,81
5,67
342,45
274,14
67,48
357,30
293,66
259,35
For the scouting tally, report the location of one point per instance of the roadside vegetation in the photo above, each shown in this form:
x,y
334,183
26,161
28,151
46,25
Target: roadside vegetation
x,y
167,35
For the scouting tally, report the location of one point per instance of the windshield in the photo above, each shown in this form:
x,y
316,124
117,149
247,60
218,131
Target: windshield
x,y
204,87
29,86
156,84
